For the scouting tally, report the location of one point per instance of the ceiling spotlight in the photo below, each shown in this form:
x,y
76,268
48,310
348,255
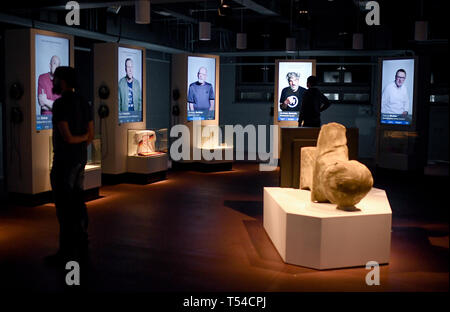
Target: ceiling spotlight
x,y
163,13
224,8
114,9
303,12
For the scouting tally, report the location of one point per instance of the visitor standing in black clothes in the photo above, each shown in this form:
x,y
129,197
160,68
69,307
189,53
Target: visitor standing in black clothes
x,y
73,130
313,103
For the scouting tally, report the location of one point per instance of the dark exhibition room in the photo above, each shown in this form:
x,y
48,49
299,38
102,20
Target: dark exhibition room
x,y
224,154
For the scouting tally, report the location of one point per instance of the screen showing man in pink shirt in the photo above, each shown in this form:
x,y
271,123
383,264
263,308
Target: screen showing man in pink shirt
x,y
45,85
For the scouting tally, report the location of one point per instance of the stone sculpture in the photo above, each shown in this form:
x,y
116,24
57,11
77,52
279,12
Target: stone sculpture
x,y
307,161
334,178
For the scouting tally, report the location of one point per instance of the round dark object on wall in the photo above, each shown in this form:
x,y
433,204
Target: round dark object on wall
x,y
16,115
103,92
176,94
175,110
103,111
16,91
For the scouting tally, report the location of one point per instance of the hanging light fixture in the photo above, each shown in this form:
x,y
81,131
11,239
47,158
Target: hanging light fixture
x,y
291,44
241,38
421,26
142,11
204,31
358,41
358,36
204,28
421,31
290,41
241,41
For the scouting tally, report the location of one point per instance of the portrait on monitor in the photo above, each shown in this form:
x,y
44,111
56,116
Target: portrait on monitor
x,y
397,91
50,53
291,84
201,82
130,85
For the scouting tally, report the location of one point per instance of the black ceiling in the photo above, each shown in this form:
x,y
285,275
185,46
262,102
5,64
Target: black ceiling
x,y
328,24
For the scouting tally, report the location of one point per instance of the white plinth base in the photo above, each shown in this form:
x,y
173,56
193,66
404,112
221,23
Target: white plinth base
x,y
92,177
219,149
147,164
317,235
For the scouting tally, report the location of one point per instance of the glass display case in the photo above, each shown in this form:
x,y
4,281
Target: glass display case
x,y
94,155
94,160
210,137
161,140
147,143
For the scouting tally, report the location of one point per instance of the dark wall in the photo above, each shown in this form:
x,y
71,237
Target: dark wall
x,y
2,101
158,92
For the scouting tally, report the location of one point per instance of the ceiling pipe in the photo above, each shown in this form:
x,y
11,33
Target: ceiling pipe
x,y
25,22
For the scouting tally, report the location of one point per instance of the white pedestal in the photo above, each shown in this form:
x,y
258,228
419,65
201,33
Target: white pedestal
x,y
92,177
215,150
317,235
147,164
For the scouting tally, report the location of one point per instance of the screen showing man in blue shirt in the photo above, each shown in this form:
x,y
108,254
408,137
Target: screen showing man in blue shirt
x,y
201,98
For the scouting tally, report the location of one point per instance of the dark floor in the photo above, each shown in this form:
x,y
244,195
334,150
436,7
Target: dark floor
x,y
203,232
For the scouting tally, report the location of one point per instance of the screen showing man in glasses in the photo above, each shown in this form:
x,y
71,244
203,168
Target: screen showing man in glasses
x,y
397,93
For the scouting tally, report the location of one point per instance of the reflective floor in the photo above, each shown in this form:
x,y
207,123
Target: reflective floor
x,y
203,232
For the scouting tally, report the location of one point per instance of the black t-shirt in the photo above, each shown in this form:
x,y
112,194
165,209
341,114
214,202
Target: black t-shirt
x,y
297,97
74,109
313,103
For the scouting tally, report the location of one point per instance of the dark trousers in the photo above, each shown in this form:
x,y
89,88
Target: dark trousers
x,y
67,185
312,124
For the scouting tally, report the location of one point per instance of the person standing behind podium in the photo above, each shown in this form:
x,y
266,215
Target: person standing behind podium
x,y
313,103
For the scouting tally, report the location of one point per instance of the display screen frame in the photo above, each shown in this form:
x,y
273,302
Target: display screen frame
x,y
130,52
38,124
281,81
192,69
390,126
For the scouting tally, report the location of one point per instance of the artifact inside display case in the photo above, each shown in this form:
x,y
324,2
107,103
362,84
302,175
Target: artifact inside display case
x,y
145,140
210,137
146,143
327,171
